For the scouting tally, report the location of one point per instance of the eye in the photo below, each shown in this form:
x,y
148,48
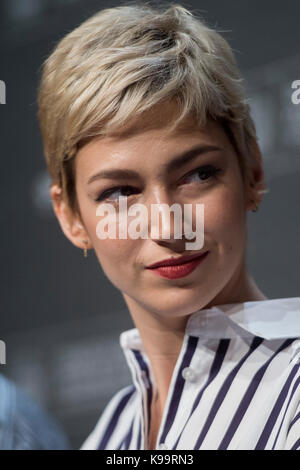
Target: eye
x,y
203,173
119,190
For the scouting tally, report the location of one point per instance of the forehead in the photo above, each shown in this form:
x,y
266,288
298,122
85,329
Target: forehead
x,y
148,135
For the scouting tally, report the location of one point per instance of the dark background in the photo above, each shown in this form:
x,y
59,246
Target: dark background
x,y
60,316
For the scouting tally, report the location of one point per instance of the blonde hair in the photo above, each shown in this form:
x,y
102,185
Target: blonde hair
x,y
124,60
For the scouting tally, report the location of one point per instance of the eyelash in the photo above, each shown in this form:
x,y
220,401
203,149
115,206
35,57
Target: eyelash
x,y
210,168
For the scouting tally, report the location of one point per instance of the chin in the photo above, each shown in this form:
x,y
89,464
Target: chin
x,y
180,305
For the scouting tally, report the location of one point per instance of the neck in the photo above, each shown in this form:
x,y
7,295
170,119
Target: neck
x,y
162,337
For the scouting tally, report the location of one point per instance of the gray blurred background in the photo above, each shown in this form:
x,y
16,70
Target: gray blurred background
x,y
60,316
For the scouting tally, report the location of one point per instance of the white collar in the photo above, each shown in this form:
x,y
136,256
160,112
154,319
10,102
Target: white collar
x,y
269,319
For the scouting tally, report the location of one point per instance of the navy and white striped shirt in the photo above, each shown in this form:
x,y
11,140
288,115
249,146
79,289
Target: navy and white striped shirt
x,y
236,384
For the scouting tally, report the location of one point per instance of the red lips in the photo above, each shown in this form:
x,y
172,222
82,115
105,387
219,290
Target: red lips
x,y
179,270
175,261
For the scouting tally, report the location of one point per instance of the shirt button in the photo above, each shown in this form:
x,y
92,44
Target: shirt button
x,y
163,446
188,374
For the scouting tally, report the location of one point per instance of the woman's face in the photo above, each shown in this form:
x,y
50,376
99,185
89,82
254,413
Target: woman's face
x,y
148,150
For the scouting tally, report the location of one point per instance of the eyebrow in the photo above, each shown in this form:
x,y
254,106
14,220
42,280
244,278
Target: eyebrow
x,y
176,162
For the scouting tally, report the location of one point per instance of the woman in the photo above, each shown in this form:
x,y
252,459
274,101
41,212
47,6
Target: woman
x,y
147,103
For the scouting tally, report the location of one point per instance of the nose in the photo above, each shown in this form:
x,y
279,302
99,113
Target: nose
x,y
165,217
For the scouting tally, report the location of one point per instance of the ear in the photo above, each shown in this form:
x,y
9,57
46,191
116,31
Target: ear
x,y
70,222
255,184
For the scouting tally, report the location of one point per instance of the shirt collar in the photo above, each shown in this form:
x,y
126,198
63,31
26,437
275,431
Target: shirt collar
x,y
269,319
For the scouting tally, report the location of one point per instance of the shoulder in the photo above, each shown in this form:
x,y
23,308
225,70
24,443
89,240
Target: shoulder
x,y
117,405
293,430
289,398
24,424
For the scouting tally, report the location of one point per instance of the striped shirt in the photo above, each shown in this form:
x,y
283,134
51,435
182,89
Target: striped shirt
x,y
235,385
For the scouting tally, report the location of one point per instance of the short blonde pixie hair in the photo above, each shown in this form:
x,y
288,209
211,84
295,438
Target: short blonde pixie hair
x,y
120,63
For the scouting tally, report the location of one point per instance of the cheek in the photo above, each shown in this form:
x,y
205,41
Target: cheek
x,y
225,219
117,250
113,254
114,257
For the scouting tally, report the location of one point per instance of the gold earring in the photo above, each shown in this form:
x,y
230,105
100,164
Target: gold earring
x,y
85,249
256,206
